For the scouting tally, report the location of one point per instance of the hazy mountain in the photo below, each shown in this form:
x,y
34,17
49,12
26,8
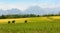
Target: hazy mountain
x,y
10,11
34,10
41,11
31,10
14,11
2,12
53,10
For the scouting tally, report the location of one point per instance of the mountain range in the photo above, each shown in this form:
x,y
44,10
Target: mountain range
x,y
31,10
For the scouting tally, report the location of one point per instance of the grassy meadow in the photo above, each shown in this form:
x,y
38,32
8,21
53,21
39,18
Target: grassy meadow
x,y
34,25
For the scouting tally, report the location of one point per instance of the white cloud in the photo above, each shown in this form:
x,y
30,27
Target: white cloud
x,y
46,5
25,6
10,6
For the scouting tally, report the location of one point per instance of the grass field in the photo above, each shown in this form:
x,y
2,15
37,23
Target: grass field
x,y
21,20
34,25
32,19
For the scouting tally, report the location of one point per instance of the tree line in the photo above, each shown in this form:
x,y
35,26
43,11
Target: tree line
x,y
26,16
18,16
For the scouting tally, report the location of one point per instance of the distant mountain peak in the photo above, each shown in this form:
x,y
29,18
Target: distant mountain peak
x,y
34,10
31,10
10,11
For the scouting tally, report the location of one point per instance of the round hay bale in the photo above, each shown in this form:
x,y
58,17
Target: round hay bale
x,y
25,21
13,21
8,21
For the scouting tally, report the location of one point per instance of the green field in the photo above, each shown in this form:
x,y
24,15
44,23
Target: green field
x,y
34,25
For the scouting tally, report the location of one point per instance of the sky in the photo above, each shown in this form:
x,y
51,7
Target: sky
x,y
24,4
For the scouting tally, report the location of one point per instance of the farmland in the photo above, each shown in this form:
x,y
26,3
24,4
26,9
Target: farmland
x,y
34,25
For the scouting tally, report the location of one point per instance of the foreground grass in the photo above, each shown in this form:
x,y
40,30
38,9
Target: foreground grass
x,y
34,27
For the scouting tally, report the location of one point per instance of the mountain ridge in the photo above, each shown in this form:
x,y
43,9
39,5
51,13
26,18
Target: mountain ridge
x,y
31,10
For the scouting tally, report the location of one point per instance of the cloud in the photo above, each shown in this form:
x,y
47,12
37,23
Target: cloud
x,y
10,6
49,5
23,6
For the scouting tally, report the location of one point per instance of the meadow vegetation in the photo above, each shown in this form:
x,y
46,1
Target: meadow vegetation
x,y
34,25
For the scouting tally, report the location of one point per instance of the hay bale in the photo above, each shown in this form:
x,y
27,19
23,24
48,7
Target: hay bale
x,y
25,21
13,21
8,21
